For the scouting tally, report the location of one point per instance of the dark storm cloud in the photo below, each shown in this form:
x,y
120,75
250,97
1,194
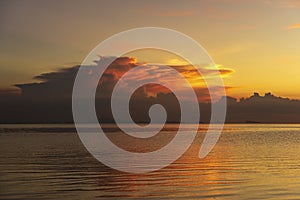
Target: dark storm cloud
x,y
48,100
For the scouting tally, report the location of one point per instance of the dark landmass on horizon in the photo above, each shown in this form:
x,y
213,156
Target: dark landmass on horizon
x,y
50,101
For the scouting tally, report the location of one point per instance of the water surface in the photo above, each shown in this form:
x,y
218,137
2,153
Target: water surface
x,y
250,161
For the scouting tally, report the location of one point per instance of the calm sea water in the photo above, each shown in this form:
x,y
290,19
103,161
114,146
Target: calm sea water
x,y
250,161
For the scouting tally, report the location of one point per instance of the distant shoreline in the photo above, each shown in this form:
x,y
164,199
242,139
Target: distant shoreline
x,y
71,123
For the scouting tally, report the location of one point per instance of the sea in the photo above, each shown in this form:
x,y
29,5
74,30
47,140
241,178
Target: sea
x,y
250,161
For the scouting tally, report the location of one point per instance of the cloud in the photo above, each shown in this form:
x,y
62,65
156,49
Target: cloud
x,y
189,71
155,72
48,100
59,84
294,26
56,85
289,4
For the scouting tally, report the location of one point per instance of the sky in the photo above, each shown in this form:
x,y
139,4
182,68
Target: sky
x,y
258,40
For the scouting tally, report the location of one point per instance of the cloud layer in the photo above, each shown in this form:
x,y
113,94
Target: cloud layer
x,y
59,84
294,26
48,100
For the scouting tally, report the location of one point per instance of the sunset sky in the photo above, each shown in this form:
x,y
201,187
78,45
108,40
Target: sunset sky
x,y
258,40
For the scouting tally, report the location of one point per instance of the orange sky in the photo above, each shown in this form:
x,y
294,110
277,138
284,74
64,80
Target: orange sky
x,y
259,40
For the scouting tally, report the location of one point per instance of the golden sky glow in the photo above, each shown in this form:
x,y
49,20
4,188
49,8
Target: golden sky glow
x,y
294,26
259,40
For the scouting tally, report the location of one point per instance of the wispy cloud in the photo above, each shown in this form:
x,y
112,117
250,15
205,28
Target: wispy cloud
x,y
294,26
290,4
284,3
